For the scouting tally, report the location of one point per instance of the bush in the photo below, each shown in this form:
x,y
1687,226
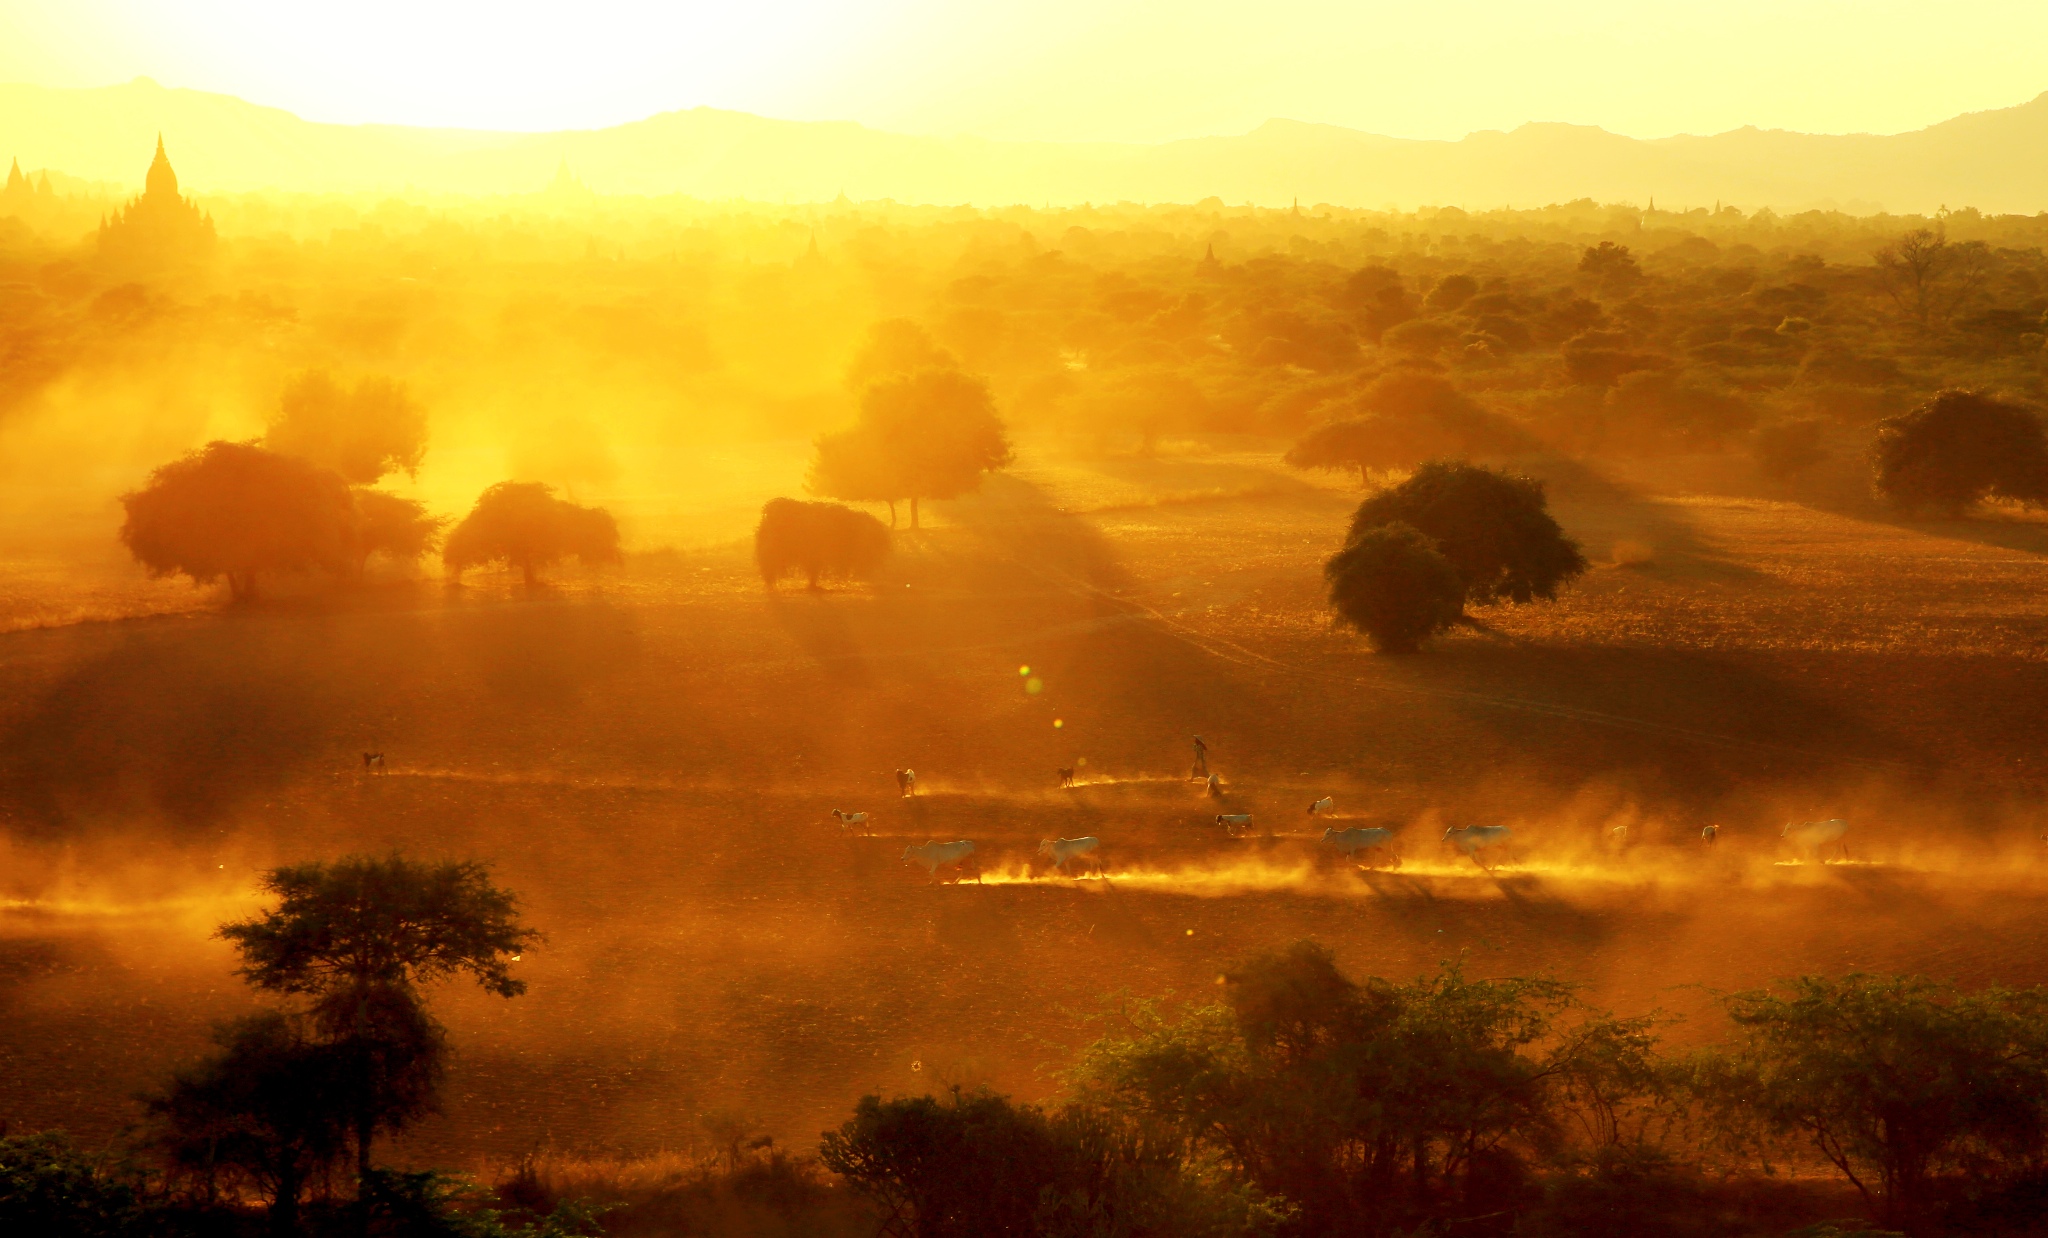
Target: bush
x,y
50,1188
523,524
1493,528
1390,583
817,539
1958,448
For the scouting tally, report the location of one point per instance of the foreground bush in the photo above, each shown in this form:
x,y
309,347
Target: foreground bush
x,y
1959,448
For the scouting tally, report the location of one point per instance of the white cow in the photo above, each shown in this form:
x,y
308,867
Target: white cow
x,y
1324,806
1357,839
906,782
935,856
1060,850
1813,837
1234,822
851,820
1471,839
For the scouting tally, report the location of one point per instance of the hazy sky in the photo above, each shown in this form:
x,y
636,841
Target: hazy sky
x,y
1066,69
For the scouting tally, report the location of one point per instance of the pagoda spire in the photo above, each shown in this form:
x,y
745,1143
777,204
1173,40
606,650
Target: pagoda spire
x,y
161,181
16,182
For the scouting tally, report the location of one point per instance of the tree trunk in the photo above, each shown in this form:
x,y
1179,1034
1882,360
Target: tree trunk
x,y
913,512
1364,478
527,568
892,513
284,1208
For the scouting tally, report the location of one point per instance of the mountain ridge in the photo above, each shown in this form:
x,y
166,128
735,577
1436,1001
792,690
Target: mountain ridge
x,y
1990,159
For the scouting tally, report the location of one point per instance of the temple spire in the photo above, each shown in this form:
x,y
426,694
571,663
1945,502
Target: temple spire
x,y
161,181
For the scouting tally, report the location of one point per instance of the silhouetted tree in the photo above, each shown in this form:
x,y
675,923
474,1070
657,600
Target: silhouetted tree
x,y
1958,448
928,435
1348,443
1896,1080
1610,263
817,539
1403,418
357,938
269,1110
1492,527
1928,278
237,510
361,433
1390,583
1373,1105
522,524
1654,410
395,526
853,464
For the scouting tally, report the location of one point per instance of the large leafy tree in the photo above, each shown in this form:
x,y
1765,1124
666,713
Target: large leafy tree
x,y
1494,528
269,1110
522,524
927,435
1895,1080
1961,447
391,525
238,511
358,938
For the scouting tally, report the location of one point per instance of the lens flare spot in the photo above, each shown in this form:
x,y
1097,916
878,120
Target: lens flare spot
x,y
1023,671
1059,723
1034,685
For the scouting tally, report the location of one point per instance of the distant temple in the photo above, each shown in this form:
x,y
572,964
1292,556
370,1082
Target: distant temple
x,y
20,197
160,226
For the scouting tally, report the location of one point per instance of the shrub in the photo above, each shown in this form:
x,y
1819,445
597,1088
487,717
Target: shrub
x,y
1958,448
523,524
817,539
1493,528
1390,583
49,1186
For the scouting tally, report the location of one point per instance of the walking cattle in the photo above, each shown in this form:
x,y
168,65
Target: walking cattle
x,y
957,856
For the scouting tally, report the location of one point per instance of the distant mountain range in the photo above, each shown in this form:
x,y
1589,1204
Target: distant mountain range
x,y
1996,161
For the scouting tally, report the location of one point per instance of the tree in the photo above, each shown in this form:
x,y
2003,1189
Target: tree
x,y
357,938
1958,448
398,527
974,1166
1896,1080
237,510
1403,418
1390,582
817,539
1494,529
895,347
1610,264
1373,1105
269,1110
49,1186
522,524
1663,410
1928,278
362,434
928,435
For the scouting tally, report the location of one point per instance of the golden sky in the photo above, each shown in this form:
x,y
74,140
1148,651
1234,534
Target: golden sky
x,y
1066,69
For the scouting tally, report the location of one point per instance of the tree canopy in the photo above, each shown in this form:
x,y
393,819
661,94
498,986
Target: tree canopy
x,y
1390,582
1494,528
927,435
1961,447
522,524
362,433
237,510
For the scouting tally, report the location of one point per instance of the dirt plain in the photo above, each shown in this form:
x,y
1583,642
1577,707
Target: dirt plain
x,y
649,756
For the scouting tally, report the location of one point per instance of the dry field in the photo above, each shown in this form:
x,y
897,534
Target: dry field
x,y
649,757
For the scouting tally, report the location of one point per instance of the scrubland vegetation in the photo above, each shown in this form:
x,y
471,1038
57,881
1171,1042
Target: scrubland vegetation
x,y
1695,518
